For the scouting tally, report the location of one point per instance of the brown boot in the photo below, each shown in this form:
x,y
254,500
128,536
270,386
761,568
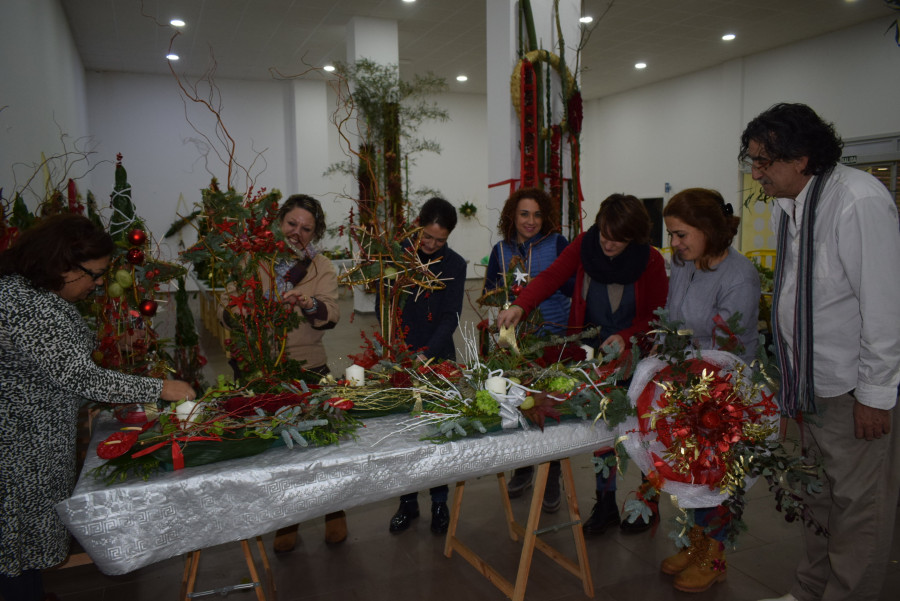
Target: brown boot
x,y
285,539
674,564
707,567
335,527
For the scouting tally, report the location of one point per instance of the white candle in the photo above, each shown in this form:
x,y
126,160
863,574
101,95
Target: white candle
x,y
497,385
188,411
355,375
588,351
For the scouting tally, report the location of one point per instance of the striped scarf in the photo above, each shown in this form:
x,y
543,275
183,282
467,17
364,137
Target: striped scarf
x,y
796,364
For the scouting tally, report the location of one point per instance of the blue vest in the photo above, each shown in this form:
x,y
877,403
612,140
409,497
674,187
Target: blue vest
x,y
537,255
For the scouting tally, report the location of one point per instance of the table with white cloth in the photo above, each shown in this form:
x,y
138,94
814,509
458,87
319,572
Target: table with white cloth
x,y
132,524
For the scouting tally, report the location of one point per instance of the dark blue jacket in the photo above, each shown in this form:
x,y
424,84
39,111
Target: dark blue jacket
x,y
430,320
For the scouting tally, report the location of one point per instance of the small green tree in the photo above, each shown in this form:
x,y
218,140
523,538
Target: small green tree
x,y
389,112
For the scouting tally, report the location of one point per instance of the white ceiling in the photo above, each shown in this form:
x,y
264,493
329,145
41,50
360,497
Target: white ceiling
x,y
248,39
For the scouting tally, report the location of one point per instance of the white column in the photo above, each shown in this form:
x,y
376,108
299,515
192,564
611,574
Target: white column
x,y
311,129
503,127
502,46
374,39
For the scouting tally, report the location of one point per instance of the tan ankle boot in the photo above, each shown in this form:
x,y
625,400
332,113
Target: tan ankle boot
x,y
706,567
335,527
674,564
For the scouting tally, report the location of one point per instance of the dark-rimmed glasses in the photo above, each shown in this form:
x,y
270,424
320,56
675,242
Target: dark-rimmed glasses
x,y
94,275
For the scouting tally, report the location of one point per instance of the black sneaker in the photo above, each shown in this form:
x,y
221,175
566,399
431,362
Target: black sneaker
x,y
521,480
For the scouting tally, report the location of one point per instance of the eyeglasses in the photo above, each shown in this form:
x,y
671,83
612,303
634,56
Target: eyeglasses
x,y
758,163
94,275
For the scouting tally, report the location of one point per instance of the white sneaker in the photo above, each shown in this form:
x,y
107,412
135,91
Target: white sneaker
x,y
788,597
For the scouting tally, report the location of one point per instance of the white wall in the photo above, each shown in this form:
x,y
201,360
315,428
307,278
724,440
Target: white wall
x,y
683,131
42,95
274,124
686,131
460,172
143,117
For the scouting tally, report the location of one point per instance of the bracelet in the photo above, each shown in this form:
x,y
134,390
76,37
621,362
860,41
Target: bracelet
x,y
314,308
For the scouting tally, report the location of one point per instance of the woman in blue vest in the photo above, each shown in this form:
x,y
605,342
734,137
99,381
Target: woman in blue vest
x,y
528,224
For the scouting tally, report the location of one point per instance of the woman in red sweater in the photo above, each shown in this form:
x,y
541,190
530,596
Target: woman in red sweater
x,y
620,280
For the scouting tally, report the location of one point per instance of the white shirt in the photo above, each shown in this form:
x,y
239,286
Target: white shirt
x,y
856,286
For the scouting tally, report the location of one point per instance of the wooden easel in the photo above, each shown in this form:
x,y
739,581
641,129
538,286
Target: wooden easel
x,y
528,535
192,563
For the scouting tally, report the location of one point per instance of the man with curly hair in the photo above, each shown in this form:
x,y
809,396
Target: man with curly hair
x,y
836,328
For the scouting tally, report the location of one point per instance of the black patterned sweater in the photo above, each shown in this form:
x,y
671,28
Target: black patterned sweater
x,y
46,374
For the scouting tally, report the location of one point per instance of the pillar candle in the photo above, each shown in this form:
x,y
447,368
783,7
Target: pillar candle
x,y
497,385
355,375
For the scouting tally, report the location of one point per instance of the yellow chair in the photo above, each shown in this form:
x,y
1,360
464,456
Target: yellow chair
x,y
766,258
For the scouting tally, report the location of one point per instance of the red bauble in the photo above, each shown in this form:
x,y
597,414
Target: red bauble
x,y
137,237
517,289
148,307
135,256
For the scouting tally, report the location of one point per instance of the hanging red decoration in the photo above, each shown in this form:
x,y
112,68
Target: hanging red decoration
x,y
148,307
135,256
137,237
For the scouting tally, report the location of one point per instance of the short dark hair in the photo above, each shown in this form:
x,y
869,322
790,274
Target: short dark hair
x,y
302,201
705,210
549,217
792,131
624,218
55,245
439,211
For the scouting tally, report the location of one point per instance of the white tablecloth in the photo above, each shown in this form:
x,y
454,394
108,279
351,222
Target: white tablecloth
x,y
136,523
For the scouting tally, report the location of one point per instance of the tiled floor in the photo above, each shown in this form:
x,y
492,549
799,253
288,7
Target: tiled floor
x,y
372,564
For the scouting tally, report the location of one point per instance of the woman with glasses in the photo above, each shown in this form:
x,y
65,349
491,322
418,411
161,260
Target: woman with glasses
x,y
48,373
710,284
620,280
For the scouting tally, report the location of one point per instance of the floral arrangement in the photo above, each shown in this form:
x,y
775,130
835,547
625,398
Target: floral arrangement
x,y
446,400
228,422
705,429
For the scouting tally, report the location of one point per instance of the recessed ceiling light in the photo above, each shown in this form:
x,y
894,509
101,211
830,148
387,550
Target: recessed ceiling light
x,y
586,19
328,68
728,37
462,78
176,23
640,65
172,57
409,1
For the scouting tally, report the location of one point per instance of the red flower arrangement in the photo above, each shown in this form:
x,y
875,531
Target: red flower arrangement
x,y
695,420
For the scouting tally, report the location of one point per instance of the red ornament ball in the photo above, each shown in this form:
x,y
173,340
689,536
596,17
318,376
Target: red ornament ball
x,y
137,237
135,256
148,307
517,289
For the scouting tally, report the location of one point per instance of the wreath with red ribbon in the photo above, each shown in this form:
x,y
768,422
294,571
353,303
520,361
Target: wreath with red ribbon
x,y
691,419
